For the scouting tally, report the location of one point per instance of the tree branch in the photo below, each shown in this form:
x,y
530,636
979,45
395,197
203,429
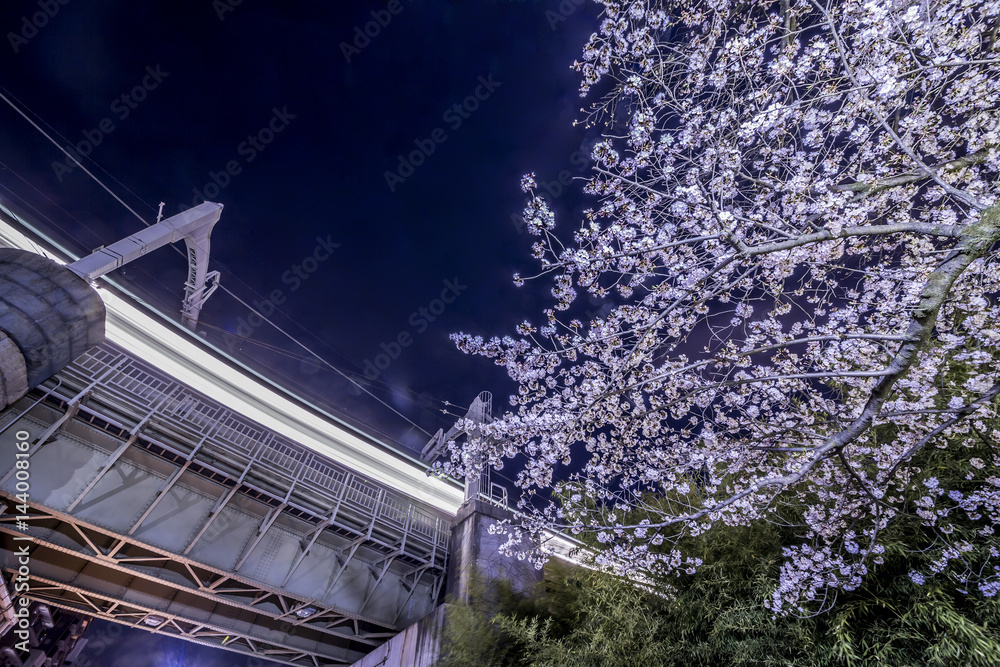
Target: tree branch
x,y
963,412
976,240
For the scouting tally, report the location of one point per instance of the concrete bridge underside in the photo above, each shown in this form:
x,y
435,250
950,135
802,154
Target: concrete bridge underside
x,y
151,504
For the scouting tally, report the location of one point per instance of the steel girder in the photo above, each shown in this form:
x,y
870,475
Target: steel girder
x,y
138,476
78,600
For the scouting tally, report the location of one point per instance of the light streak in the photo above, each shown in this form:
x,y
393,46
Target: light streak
x,y
175,353
189,362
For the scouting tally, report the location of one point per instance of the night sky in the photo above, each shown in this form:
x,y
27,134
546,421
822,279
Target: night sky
x,y
367,179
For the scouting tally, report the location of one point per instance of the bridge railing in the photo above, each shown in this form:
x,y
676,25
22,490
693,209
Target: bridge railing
x,y
134,382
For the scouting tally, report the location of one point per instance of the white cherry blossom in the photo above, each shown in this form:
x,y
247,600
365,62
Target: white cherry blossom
x,y
796,226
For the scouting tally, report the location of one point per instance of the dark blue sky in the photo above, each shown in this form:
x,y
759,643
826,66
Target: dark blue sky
x,y
172,95
257,107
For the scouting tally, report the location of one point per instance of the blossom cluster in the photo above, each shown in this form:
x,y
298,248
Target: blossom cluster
x,y
796,223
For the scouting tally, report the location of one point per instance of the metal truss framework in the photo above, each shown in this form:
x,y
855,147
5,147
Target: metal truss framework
x,y
77,600
180,590
274,532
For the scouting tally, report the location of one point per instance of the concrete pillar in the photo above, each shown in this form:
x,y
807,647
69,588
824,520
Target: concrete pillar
x,y
417,646
475,552
13,374
48,317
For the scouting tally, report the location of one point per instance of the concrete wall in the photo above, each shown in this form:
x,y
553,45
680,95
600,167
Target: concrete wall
x,y
476,553
416,646
13,374
49,313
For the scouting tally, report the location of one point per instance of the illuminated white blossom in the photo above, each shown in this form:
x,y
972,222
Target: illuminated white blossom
x,y
794,231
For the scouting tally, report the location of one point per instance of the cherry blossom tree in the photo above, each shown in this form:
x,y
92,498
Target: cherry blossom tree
x,y
797,227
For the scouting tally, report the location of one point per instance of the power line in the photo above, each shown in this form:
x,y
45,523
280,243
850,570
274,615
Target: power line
x,y
232,273
299,357
320,359
68,154
324,361
43,216
310,393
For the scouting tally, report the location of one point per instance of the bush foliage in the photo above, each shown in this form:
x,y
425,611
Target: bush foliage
x,y
909,611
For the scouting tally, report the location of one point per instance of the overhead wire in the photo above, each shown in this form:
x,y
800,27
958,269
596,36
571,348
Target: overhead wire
x,y
36,210
310,393
68,154
89,159
300,357
232,273
55,224
324,361
4,95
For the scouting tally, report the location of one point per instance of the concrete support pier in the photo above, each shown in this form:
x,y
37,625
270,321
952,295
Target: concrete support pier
x,y
417,646
48,317
475,552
